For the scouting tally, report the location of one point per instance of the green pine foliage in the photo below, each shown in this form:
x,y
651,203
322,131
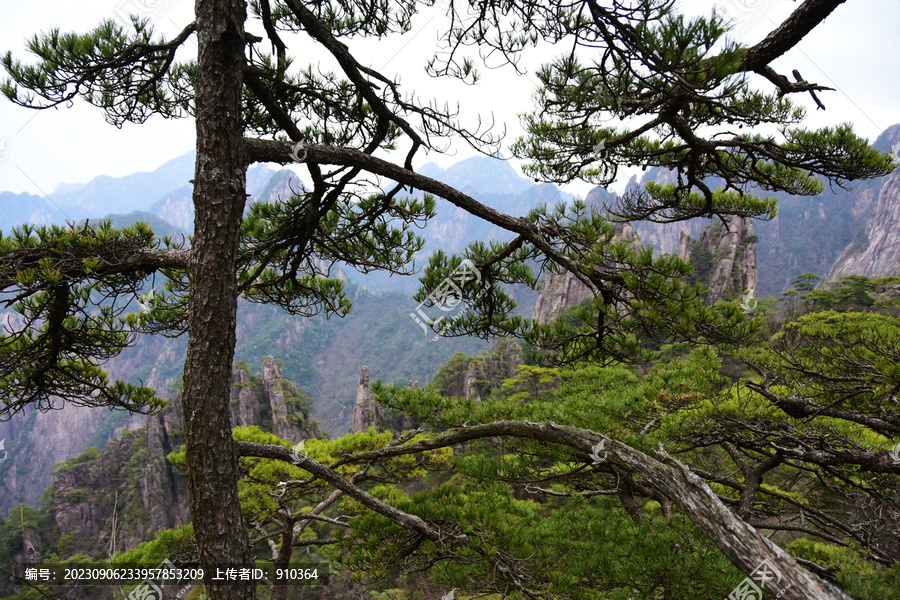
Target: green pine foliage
x,y
65,277
708,420
577,548
530,383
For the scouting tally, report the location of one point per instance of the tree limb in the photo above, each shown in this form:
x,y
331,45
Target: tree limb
x,y
259,150
787,35
398,516
743,545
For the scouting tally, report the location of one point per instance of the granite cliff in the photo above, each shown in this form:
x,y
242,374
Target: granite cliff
x,y
366,412
724,259
875,252
563,290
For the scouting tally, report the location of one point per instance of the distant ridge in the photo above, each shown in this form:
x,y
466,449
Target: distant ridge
x,y
106,195
485,174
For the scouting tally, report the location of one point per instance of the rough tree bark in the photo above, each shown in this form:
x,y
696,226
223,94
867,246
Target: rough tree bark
x,y
219,197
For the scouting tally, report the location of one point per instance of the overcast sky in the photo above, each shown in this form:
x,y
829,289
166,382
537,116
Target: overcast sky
x,y
856,51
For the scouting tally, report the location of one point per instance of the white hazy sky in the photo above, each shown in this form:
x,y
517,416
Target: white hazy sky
x,y
856,51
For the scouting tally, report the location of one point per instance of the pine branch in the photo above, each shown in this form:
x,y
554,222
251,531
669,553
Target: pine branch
x,y
743,545
403,519
272,151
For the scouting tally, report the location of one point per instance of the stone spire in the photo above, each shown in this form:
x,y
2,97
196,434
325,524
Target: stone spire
x,y
272,386
367,413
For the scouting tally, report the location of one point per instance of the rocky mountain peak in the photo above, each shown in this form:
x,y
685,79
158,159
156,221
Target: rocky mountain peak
x,y
273,387
244,404
724,258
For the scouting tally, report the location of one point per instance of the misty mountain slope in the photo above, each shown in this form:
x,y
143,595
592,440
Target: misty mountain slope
x,y
177,206
481,173
160,227
16,209
103,195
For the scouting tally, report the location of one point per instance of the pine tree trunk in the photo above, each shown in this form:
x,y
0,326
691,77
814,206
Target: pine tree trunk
x,y
219,196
